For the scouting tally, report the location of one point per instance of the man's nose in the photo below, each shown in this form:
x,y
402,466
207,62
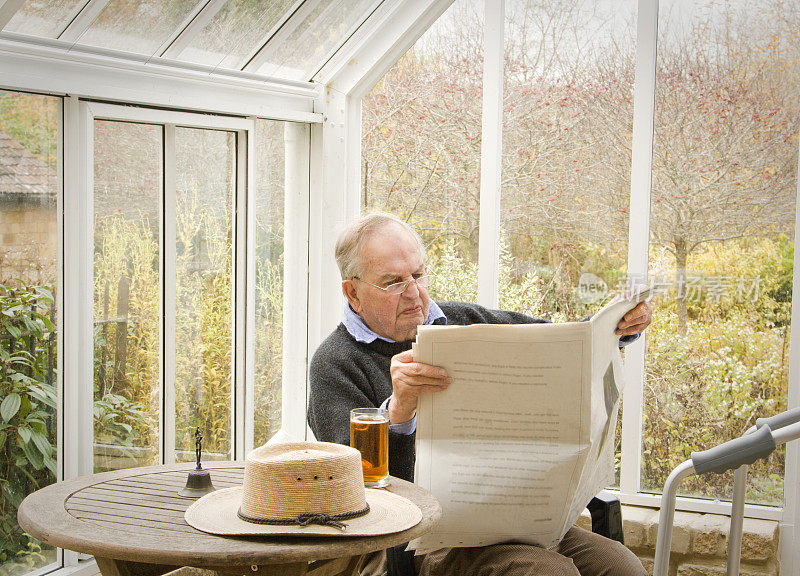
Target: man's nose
x,y
412,290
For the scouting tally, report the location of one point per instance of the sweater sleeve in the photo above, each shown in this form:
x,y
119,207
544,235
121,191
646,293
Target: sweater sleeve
x,y
333,393
461,313
337,385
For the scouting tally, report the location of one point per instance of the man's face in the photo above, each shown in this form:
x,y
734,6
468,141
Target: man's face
x,y
390,255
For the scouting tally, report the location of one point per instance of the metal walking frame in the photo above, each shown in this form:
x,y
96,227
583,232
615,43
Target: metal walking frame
x,y
758,442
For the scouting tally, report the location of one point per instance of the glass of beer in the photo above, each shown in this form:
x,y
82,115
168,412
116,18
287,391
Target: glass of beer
x,y
369,434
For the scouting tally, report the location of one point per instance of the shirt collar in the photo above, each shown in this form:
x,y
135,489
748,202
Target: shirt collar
x,y
361,332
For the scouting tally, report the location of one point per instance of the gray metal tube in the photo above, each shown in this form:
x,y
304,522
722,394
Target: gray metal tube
x,y
734,453
737,516
667,515
787,434
780,420
737,520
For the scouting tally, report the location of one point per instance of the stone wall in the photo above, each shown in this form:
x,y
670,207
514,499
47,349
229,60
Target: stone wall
x,y
700,542
28,242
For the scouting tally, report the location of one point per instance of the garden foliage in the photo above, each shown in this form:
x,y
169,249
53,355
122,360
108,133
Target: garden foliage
x,y
27,415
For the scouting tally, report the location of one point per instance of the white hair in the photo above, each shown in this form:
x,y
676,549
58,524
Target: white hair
x,y
353,238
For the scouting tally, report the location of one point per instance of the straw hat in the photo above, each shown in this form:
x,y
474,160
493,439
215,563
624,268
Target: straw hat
x,y
303,489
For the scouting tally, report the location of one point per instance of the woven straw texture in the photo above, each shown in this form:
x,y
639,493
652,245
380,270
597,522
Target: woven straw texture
x,y
286,480
271,490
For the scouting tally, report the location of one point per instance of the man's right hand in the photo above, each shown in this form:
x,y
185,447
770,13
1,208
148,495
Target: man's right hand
x,y
410,380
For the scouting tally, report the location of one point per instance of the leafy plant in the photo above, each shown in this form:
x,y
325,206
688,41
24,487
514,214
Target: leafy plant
x,y
28,406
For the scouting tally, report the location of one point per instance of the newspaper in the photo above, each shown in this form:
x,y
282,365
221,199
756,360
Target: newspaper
x,y
523,438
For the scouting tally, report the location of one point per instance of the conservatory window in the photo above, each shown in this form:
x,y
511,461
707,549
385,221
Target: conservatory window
x,y
721,208
205,173
421,147
722,221
309,38
271,149
29,244
139,26
568,111
229,39
169,269
46,18
128,188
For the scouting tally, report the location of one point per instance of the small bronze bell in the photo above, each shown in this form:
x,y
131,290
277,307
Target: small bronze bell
x,y
199,481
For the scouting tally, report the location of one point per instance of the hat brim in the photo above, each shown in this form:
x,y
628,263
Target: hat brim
x,y
216,513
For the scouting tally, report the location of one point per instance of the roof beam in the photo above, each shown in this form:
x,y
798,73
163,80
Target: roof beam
x,y
390,31
82,20
7,10
192,26
53,67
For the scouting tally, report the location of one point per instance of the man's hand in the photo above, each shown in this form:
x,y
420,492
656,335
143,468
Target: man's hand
x,y
635,321
410,380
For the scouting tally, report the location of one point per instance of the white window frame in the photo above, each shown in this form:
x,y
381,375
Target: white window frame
x,y
75,282
168,120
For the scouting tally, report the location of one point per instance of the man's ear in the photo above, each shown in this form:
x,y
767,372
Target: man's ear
x,y
349,291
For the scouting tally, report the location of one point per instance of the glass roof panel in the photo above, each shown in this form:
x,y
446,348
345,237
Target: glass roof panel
x,y
299,55
235,32
46,18
139,26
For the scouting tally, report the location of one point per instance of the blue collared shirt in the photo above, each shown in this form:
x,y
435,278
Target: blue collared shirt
x,y
361,332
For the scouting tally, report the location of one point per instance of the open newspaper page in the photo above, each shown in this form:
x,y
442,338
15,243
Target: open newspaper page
x,y
523,437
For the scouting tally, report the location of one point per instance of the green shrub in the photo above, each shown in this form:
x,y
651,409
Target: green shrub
x,y
28,407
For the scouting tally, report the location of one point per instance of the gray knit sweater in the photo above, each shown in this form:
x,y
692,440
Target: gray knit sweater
x,y
346,374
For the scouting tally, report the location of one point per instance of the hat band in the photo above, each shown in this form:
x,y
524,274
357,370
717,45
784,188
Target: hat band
x,y
308,518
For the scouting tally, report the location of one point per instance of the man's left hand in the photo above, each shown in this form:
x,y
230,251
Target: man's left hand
x,y
635,321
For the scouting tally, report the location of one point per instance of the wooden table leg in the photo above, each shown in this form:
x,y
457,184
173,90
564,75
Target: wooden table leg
x,y
111,567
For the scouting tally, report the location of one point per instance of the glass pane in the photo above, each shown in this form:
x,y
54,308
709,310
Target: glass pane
x,y
46,18
722,221
568,112
308,42
566,164
128,174
139,26
28,354
271,150
421,145
236,31
205,185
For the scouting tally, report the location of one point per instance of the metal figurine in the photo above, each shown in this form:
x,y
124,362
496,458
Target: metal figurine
x,y
198,446
199,481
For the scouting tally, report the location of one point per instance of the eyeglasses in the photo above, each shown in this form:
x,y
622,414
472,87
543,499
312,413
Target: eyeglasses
x,y
400,287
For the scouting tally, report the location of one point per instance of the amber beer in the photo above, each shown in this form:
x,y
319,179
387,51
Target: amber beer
x,y
369,434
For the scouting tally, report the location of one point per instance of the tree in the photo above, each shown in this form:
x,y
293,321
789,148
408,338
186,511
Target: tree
x,y
725,151
422,125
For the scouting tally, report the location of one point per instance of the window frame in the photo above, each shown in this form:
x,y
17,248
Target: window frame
x,y
81,313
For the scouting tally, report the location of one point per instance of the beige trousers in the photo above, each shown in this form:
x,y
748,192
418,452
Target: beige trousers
x,y
580,553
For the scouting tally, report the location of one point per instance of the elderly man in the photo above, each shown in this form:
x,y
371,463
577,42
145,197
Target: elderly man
x,y
367,361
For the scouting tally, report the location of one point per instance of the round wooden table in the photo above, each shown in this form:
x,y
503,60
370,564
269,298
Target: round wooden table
x,y
132,522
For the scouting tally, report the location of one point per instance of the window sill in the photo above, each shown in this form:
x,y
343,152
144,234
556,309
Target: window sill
x,y
699,541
